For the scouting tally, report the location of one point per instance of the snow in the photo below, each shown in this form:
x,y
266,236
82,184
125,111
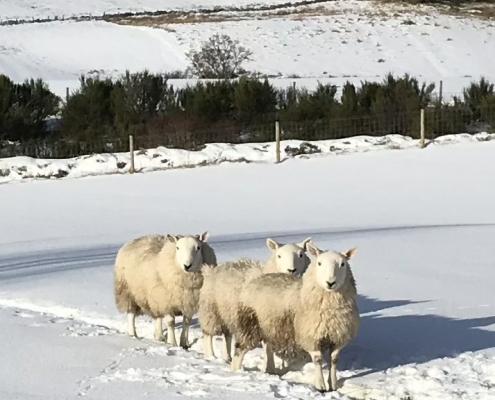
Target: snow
x,y
74,48
57,8
346,40
16,169
423,221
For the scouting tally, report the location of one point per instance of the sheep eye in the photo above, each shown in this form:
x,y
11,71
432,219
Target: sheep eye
x,y
177,247
279,256
319,263
342,264
197,248
300,255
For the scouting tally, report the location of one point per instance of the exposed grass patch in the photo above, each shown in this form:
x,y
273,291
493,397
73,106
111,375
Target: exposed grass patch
x,y
469,8
301,10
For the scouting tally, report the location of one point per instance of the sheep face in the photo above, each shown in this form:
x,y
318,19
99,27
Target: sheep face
x,y
289,258
188,255
331,268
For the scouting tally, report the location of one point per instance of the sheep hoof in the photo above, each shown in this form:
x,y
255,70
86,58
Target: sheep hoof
x,y
184,345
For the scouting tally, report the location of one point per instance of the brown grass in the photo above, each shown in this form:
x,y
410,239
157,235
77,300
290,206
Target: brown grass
x,y
173,18
300,13
472,10
310,12
383,9
482,10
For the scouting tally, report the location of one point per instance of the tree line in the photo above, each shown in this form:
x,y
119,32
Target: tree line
x,y
232,110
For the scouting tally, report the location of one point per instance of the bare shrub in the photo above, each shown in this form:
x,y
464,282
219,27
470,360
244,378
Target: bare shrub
x,y
220,57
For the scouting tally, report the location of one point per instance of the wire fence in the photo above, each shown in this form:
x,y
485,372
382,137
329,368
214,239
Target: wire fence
x,y
438,121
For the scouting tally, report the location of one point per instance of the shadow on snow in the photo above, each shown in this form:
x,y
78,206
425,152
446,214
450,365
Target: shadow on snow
x,y
386,341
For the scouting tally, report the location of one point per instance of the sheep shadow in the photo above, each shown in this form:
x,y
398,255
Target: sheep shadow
x,y
387,341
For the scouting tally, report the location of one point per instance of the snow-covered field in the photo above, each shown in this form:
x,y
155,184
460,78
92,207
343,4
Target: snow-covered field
x,y
343,40
423,220
65,8
16,169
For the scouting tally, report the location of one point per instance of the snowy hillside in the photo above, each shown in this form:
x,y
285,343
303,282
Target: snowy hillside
x,y
65,8
330,42
422,220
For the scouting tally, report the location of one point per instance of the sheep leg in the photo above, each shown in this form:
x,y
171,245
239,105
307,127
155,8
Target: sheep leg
x,y
227,347
208,345
158,329
170,321
238,358
184,336
332,374
316,356
131,324
268,360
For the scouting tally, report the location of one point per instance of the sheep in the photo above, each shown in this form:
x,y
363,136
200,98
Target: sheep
x,y
218,296
161,276
313,313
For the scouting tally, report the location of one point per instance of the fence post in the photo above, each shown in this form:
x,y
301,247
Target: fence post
x,y
67,94
440,96
277,141
131,153
422,131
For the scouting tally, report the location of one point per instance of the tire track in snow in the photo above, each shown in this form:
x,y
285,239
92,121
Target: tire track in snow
x,y
55,261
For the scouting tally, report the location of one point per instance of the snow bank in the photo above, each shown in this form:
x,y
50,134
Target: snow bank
x,y
26,168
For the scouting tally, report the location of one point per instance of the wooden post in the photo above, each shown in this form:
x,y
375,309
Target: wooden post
x,y
440,95
67,94
131,153
422,131
277,141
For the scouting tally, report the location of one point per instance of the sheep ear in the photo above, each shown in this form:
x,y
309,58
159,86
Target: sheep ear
x,y
272,244
203,237
172,238
305,242
349,253
313,250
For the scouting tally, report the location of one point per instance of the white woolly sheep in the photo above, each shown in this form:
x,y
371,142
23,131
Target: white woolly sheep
x,y
217,313
313,313
161,277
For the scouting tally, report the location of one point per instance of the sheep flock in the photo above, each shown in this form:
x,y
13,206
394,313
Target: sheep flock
x,y
298,304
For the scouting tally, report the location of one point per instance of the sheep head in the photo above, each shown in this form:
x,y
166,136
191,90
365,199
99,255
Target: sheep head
x,y
188,255
290,258
331,268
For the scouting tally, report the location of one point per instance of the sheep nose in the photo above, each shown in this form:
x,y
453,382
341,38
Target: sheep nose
x,y
187,267
331,285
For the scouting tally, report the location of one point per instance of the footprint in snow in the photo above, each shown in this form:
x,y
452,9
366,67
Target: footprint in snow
x,y
194,393
23,314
